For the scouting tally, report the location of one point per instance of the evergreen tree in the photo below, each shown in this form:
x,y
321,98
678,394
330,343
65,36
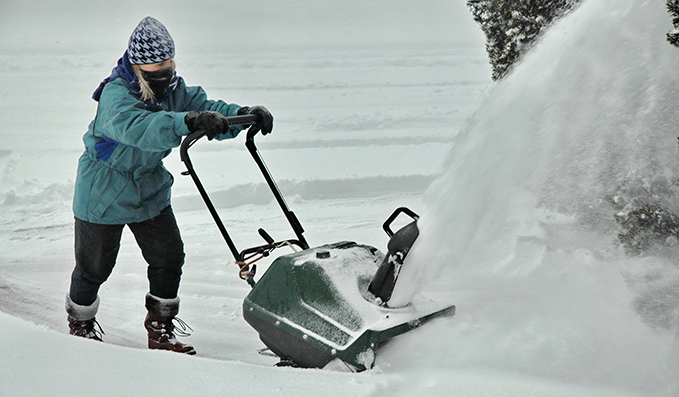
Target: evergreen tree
x,y
673,9
511,27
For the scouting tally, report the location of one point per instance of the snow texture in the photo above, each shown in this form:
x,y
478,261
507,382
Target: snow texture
x,y
378,104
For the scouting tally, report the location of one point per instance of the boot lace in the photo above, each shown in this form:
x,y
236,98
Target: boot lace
x,y
180,327
90,329
170,327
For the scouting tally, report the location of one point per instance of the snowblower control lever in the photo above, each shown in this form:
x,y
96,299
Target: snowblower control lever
x,y
266,236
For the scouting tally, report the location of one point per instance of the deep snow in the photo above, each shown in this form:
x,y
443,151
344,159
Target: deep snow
x,y
368,98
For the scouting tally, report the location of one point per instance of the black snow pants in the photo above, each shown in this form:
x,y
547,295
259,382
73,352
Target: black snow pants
x,y
97,246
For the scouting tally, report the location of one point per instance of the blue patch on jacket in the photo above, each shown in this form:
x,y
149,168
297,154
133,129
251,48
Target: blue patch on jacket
x,y
105,148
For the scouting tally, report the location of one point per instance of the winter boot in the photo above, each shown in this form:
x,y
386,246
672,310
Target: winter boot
x,y
81,321
161,328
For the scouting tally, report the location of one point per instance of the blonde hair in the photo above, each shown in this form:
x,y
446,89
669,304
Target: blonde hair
x,y
144,87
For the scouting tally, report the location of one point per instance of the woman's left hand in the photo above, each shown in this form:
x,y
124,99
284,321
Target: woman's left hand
x,y
265,123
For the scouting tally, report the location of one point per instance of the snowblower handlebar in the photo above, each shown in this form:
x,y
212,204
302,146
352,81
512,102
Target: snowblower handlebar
x,y
188,141
264,250
248,119
289,215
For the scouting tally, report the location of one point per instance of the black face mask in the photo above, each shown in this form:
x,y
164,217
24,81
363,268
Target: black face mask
x,y
159,81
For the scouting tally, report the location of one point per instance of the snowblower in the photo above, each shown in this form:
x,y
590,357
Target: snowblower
x,y
325,303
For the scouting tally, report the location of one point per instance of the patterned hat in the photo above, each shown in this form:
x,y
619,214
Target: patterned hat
x,y
150,43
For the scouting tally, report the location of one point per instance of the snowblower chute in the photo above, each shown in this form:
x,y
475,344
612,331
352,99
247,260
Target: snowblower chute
x,y
328,302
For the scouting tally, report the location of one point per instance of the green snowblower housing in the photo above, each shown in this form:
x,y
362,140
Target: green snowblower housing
x,y
314,306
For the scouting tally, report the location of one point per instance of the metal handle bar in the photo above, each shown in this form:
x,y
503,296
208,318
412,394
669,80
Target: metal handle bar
x,y
249,119
184,156
291,217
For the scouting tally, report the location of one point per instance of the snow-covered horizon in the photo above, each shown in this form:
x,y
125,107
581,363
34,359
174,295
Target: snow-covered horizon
x,y
378,104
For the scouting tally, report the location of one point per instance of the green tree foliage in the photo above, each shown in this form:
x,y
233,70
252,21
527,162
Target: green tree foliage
x,y
512,26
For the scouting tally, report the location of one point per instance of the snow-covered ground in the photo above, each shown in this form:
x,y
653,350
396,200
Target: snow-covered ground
x,y
369,98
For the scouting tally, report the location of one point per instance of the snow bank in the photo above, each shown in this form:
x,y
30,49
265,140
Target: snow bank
x,y
37,361
58,365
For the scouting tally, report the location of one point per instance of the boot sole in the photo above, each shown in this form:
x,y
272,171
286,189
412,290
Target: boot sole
x,y
190,352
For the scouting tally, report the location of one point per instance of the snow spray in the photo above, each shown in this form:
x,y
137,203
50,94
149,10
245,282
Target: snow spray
x,y
520,230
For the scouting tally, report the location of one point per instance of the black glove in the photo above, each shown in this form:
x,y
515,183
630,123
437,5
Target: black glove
x,y
266,122
213,123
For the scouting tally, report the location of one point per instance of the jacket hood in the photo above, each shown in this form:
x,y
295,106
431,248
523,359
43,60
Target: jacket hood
x,y
122,70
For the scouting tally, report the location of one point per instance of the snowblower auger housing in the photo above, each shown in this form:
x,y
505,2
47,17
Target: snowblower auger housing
x,y
328,302
313,307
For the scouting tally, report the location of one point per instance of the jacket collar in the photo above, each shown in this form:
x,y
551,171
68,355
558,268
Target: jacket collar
x,y
124,70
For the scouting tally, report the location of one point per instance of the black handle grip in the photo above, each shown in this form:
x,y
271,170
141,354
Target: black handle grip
x,y
247,119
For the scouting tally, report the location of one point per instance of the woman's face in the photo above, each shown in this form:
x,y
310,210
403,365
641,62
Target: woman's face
x,y
154,67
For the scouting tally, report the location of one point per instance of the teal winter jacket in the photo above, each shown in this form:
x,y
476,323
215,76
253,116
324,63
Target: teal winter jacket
x,y
121,178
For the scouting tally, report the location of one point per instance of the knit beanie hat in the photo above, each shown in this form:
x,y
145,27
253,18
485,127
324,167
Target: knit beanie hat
x,y
150,43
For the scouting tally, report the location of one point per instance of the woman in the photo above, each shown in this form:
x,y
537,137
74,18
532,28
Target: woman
x,y
144,111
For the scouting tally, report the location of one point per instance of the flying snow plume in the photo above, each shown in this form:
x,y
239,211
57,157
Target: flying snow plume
x,y
530,231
